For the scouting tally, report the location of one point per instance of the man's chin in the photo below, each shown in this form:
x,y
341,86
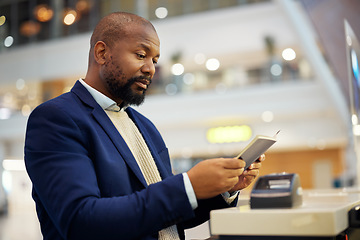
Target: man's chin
x,y
130,94
136,99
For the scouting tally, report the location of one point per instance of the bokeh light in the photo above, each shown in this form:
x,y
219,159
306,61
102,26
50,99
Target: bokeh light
x,y
267,116
229,134
212,64
276,69
288,54
2,20
161,12
9,40
43,13
70,17
177,69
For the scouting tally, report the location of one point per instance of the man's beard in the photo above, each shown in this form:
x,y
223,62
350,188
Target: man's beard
x,y
124,92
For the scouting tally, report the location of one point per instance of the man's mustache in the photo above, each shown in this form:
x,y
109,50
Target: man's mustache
x,y
140,78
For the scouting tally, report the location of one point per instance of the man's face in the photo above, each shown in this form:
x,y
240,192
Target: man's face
x,y
131,65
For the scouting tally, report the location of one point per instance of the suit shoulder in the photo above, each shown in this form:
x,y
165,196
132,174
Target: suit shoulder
x,y
64,102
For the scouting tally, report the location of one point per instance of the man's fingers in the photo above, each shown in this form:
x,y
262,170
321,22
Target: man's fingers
x,y
233,163
233,167
251,172
234,172
255,165
261,158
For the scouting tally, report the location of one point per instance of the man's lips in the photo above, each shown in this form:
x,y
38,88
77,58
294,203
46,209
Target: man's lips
x,y
142,83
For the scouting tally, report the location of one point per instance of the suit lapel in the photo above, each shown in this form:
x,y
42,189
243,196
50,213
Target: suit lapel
x,y
104,121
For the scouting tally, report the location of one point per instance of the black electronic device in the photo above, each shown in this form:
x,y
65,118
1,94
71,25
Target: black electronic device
x,y
277,191
354,217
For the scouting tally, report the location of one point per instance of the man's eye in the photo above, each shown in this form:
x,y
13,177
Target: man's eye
x,y
140,55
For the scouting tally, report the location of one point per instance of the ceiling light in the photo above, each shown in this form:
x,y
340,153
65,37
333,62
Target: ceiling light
x,y
30,28
83,6
267,116
20,84
229,134
288,54
177,69
189,78
276,69
171,89
9,40
2,20
43,13
161,12
26,110
70,17
212,64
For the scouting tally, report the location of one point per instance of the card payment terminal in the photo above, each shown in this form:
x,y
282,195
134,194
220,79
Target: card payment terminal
x,y
276,191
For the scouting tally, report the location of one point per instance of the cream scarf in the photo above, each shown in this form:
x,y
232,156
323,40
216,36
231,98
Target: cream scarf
x,y
144,159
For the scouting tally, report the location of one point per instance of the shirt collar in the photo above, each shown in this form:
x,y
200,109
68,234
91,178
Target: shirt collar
x,y
105,102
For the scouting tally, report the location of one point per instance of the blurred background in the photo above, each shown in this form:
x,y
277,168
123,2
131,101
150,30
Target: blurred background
x,y
229,70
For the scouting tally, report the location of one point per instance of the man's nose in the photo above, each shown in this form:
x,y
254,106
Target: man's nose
x,y
149,68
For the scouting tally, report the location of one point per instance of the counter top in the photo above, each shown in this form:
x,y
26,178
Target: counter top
x,y
323,213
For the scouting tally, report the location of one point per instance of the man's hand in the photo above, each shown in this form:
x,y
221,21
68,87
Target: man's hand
x,y
249,175
215,176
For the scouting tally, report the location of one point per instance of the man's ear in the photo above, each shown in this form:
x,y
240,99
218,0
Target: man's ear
x,y
100,51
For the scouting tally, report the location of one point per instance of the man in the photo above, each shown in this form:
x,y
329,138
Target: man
x,y
100,170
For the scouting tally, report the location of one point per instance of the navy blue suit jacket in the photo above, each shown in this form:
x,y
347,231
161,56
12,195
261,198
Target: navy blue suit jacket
x,y
87,184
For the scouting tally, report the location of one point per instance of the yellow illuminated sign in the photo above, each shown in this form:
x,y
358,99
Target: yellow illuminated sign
x,y
229,134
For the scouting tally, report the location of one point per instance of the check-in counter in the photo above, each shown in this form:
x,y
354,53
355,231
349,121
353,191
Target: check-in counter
x,y
323,214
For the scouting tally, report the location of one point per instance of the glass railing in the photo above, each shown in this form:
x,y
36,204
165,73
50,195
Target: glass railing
x,y
22,97
28,21
231,77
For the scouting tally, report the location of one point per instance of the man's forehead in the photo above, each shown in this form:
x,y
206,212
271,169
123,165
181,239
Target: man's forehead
x,y
141,28
144,35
